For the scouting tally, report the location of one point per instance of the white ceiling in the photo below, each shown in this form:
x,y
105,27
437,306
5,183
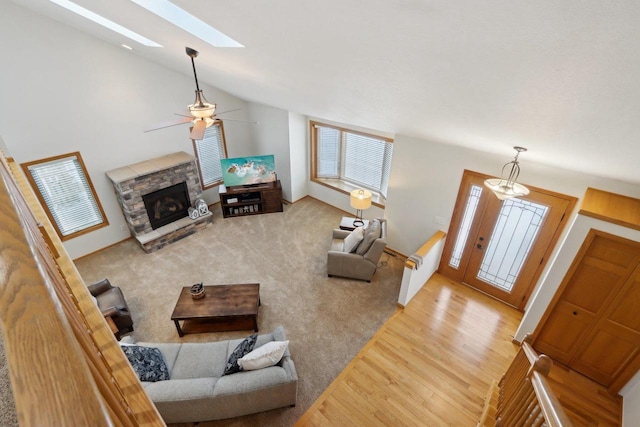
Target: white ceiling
x,y
561,78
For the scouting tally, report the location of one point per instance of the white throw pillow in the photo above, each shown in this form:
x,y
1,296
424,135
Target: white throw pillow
x,y
352,241
263,356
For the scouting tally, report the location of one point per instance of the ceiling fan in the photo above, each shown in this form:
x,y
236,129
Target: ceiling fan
x,y
202,113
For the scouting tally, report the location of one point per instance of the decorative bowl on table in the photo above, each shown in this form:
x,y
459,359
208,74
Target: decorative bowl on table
x,y
197,291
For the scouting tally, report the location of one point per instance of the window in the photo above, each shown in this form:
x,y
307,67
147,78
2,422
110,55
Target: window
x,y
209,150
346,156
67,194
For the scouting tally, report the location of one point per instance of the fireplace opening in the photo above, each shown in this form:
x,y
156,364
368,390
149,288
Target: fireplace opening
x,y
167,205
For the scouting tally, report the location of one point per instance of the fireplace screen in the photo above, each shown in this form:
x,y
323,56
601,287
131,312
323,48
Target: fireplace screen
x,y
167,205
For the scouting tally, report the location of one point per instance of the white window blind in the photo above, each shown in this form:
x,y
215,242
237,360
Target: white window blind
x,y
328,152
353,157
66,192
209,151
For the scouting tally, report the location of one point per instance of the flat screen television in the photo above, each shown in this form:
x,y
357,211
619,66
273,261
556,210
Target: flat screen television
x,y
248,171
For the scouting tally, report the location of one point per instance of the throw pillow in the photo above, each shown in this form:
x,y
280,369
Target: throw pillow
x,y
264,356
147,362
371,233
353,239
243,348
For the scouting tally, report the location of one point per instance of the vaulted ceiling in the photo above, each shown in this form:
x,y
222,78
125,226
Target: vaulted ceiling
x,y
561,78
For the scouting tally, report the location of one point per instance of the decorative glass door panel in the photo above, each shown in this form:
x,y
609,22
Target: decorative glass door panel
x,y
510,243
500,247
465,227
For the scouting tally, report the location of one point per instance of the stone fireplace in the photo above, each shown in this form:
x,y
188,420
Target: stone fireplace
x,y
155,196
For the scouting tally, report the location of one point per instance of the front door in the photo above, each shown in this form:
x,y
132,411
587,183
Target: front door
x,y
499,247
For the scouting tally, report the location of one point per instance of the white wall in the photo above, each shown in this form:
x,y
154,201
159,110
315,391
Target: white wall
x,y
299,155
414,280
631,402
425,177
271,136
64,91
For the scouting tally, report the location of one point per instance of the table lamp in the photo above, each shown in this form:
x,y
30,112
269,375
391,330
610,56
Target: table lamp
x,y
360,200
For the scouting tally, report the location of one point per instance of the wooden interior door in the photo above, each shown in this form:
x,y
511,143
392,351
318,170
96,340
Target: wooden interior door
x,y
593,325
500,247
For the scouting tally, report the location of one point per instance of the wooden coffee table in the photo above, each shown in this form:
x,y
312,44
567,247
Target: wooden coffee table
x,y
223,308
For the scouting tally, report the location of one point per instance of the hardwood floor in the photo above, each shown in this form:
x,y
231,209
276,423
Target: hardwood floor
x,y
585,402
431,364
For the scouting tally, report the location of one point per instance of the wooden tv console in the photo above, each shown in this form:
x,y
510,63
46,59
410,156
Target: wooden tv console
x,y
251,200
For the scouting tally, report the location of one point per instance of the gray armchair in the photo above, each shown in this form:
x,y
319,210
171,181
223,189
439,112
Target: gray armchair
x,y
362,263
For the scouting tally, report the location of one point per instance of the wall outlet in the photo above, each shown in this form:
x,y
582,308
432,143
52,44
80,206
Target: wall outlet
x,y
438,220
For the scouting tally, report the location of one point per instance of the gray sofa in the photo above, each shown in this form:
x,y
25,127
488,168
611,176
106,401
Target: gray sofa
x,y
197,390
361,264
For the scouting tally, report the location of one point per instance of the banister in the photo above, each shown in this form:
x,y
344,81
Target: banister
x,y
551,407
42,355
65,365
525,394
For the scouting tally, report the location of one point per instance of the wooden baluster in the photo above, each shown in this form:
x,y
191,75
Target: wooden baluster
x,y
525,398
69,324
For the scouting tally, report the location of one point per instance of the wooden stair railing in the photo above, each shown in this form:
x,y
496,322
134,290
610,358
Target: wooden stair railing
x,y
66,367
525,397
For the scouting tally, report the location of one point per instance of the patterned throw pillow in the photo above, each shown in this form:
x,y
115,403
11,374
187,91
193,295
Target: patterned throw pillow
x,y
147,362
243,348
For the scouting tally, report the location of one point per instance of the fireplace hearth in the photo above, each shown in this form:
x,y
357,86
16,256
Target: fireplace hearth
x,y
167,205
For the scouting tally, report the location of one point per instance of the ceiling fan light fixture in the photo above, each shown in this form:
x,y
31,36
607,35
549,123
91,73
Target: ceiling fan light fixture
x,y
201,109
208,121
506,188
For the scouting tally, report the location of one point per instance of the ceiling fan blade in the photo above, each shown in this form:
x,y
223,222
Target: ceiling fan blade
x,y
197,131
168,124
241,121
228,111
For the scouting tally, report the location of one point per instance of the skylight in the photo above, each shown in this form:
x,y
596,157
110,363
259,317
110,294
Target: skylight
x,y
180,18
105,22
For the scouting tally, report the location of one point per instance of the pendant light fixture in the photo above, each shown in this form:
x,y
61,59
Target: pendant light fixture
x,y
506,188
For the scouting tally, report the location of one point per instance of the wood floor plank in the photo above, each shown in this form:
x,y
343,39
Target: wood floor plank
x,y
432,363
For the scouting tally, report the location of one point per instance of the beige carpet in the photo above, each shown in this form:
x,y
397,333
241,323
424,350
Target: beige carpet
x,y
326,320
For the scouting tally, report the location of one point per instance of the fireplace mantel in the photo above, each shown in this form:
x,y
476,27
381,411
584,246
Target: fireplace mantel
x,y
134,181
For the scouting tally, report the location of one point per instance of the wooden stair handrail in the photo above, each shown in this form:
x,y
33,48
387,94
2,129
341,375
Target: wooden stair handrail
x,y
525,396
65,366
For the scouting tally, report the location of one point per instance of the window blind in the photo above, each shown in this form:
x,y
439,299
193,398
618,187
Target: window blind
x,y
328,152
364,160
67,194
209,151
353,157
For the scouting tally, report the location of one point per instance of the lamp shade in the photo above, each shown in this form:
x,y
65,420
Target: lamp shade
x,y
360,199
505,190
